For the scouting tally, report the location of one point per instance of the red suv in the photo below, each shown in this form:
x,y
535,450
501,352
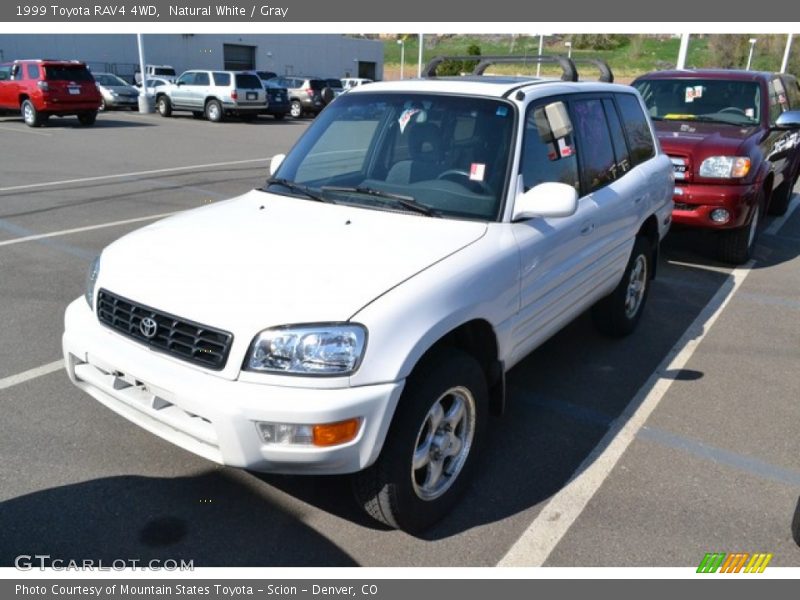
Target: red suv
x,y
41,88
734,141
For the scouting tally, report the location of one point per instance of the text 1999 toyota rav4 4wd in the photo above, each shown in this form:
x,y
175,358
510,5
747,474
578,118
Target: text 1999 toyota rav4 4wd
x,y
358,314
734,141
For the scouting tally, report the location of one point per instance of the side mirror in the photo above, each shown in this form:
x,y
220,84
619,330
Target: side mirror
x,y
275,163
548,199
788,120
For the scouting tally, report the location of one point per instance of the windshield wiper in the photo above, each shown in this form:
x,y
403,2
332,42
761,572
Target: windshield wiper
x,y
296,187
405,201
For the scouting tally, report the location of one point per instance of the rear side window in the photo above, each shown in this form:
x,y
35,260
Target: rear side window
x,y
623,163
202,79
67,73
595,146
248,82
222,79
637,129
317,84
33,71
793,92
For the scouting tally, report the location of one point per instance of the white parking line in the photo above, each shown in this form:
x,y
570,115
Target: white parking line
x,y
31,186
776,225
28,131
555,519
39,236
52,367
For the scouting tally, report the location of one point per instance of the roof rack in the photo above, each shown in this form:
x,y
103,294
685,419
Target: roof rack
x,y
568,70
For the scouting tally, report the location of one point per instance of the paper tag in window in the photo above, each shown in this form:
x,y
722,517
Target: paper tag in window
x,y
689,94
477,171
564,149
406,117
750,112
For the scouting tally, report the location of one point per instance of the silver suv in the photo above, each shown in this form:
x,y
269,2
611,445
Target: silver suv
x,y
213,95
305,94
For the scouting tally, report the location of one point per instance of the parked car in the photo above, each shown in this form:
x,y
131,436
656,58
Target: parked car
x,y
152,85
39,89
213,95
359,313
116,92
166,72
351,82
305,94
278,97
734,141
335,85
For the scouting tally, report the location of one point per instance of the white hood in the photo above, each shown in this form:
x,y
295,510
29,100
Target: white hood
x,y
262,260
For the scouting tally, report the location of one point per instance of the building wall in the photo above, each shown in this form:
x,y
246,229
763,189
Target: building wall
x,y
326,55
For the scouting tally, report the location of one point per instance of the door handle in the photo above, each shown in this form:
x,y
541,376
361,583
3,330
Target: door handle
x,y
587,228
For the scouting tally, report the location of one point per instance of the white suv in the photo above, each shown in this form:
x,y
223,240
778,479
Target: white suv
x,y
359,313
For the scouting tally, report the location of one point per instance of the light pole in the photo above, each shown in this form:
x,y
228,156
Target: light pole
x,y
419,61
683,51
750,56
541,45
402,56
784,64
569,49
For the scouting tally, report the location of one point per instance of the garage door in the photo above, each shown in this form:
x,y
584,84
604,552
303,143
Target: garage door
x,y
239,58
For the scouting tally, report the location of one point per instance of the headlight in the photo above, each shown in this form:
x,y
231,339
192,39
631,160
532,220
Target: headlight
x,y
725,167
91,280
115,94
324,349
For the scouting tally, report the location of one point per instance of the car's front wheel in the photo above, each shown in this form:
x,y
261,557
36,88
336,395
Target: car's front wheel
x,y
432,444
736,245
164,106
618,313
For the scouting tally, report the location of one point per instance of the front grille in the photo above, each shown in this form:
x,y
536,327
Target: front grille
x,y
683,206
178,337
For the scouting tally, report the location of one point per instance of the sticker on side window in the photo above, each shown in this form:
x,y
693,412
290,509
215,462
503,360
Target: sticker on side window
x,y
564,149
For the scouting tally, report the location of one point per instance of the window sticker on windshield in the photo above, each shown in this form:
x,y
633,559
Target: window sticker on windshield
x,y
406,117
750,113
477,171
694,91
502,111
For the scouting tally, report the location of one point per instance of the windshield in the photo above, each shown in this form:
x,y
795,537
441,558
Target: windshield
x,y
733,102
109,80
449,154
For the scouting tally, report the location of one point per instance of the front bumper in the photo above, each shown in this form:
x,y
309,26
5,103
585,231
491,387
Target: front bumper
x,y
695,201
214,417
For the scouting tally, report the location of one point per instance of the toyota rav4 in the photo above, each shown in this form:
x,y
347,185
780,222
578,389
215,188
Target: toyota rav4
x,y
358,314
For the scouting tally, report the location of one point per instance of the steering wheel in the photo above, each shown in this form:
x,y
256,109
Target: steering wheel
x,y
733,109
482,185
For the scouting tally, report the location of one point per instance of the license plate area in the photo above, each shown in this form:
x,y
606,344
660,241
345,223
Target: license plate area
x,y
251,95
74,90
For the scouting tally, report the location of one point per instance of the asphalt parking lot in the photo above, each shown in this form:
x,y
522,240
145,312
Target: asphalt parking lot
x,y
649,451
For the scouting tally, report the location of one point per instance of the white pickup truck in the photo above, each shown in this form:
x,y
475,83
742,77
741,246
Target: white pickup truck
x,y
359,313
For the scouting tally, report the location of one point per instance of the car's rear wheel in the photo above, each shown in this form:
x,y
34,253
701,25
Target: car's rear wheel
x,y
164,106
736,245
432,444
87,118
618,313
31,116
214,111
296,109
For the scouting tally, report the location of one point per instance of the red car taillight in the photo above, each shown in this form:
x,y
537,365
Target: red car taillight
x,y
310,91
43,85
234,95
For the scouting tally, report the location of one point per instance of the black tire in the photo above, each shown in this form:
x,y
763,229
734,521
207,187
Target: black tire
x,y
392,490
87,118
164,106
31,116
296,109
279,116
198,114
617,314
103,104
214,111
736,246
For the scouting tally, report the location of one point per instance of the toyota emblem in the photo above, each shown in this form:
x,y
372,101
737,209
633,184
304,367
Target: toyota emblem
x,y
148,327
